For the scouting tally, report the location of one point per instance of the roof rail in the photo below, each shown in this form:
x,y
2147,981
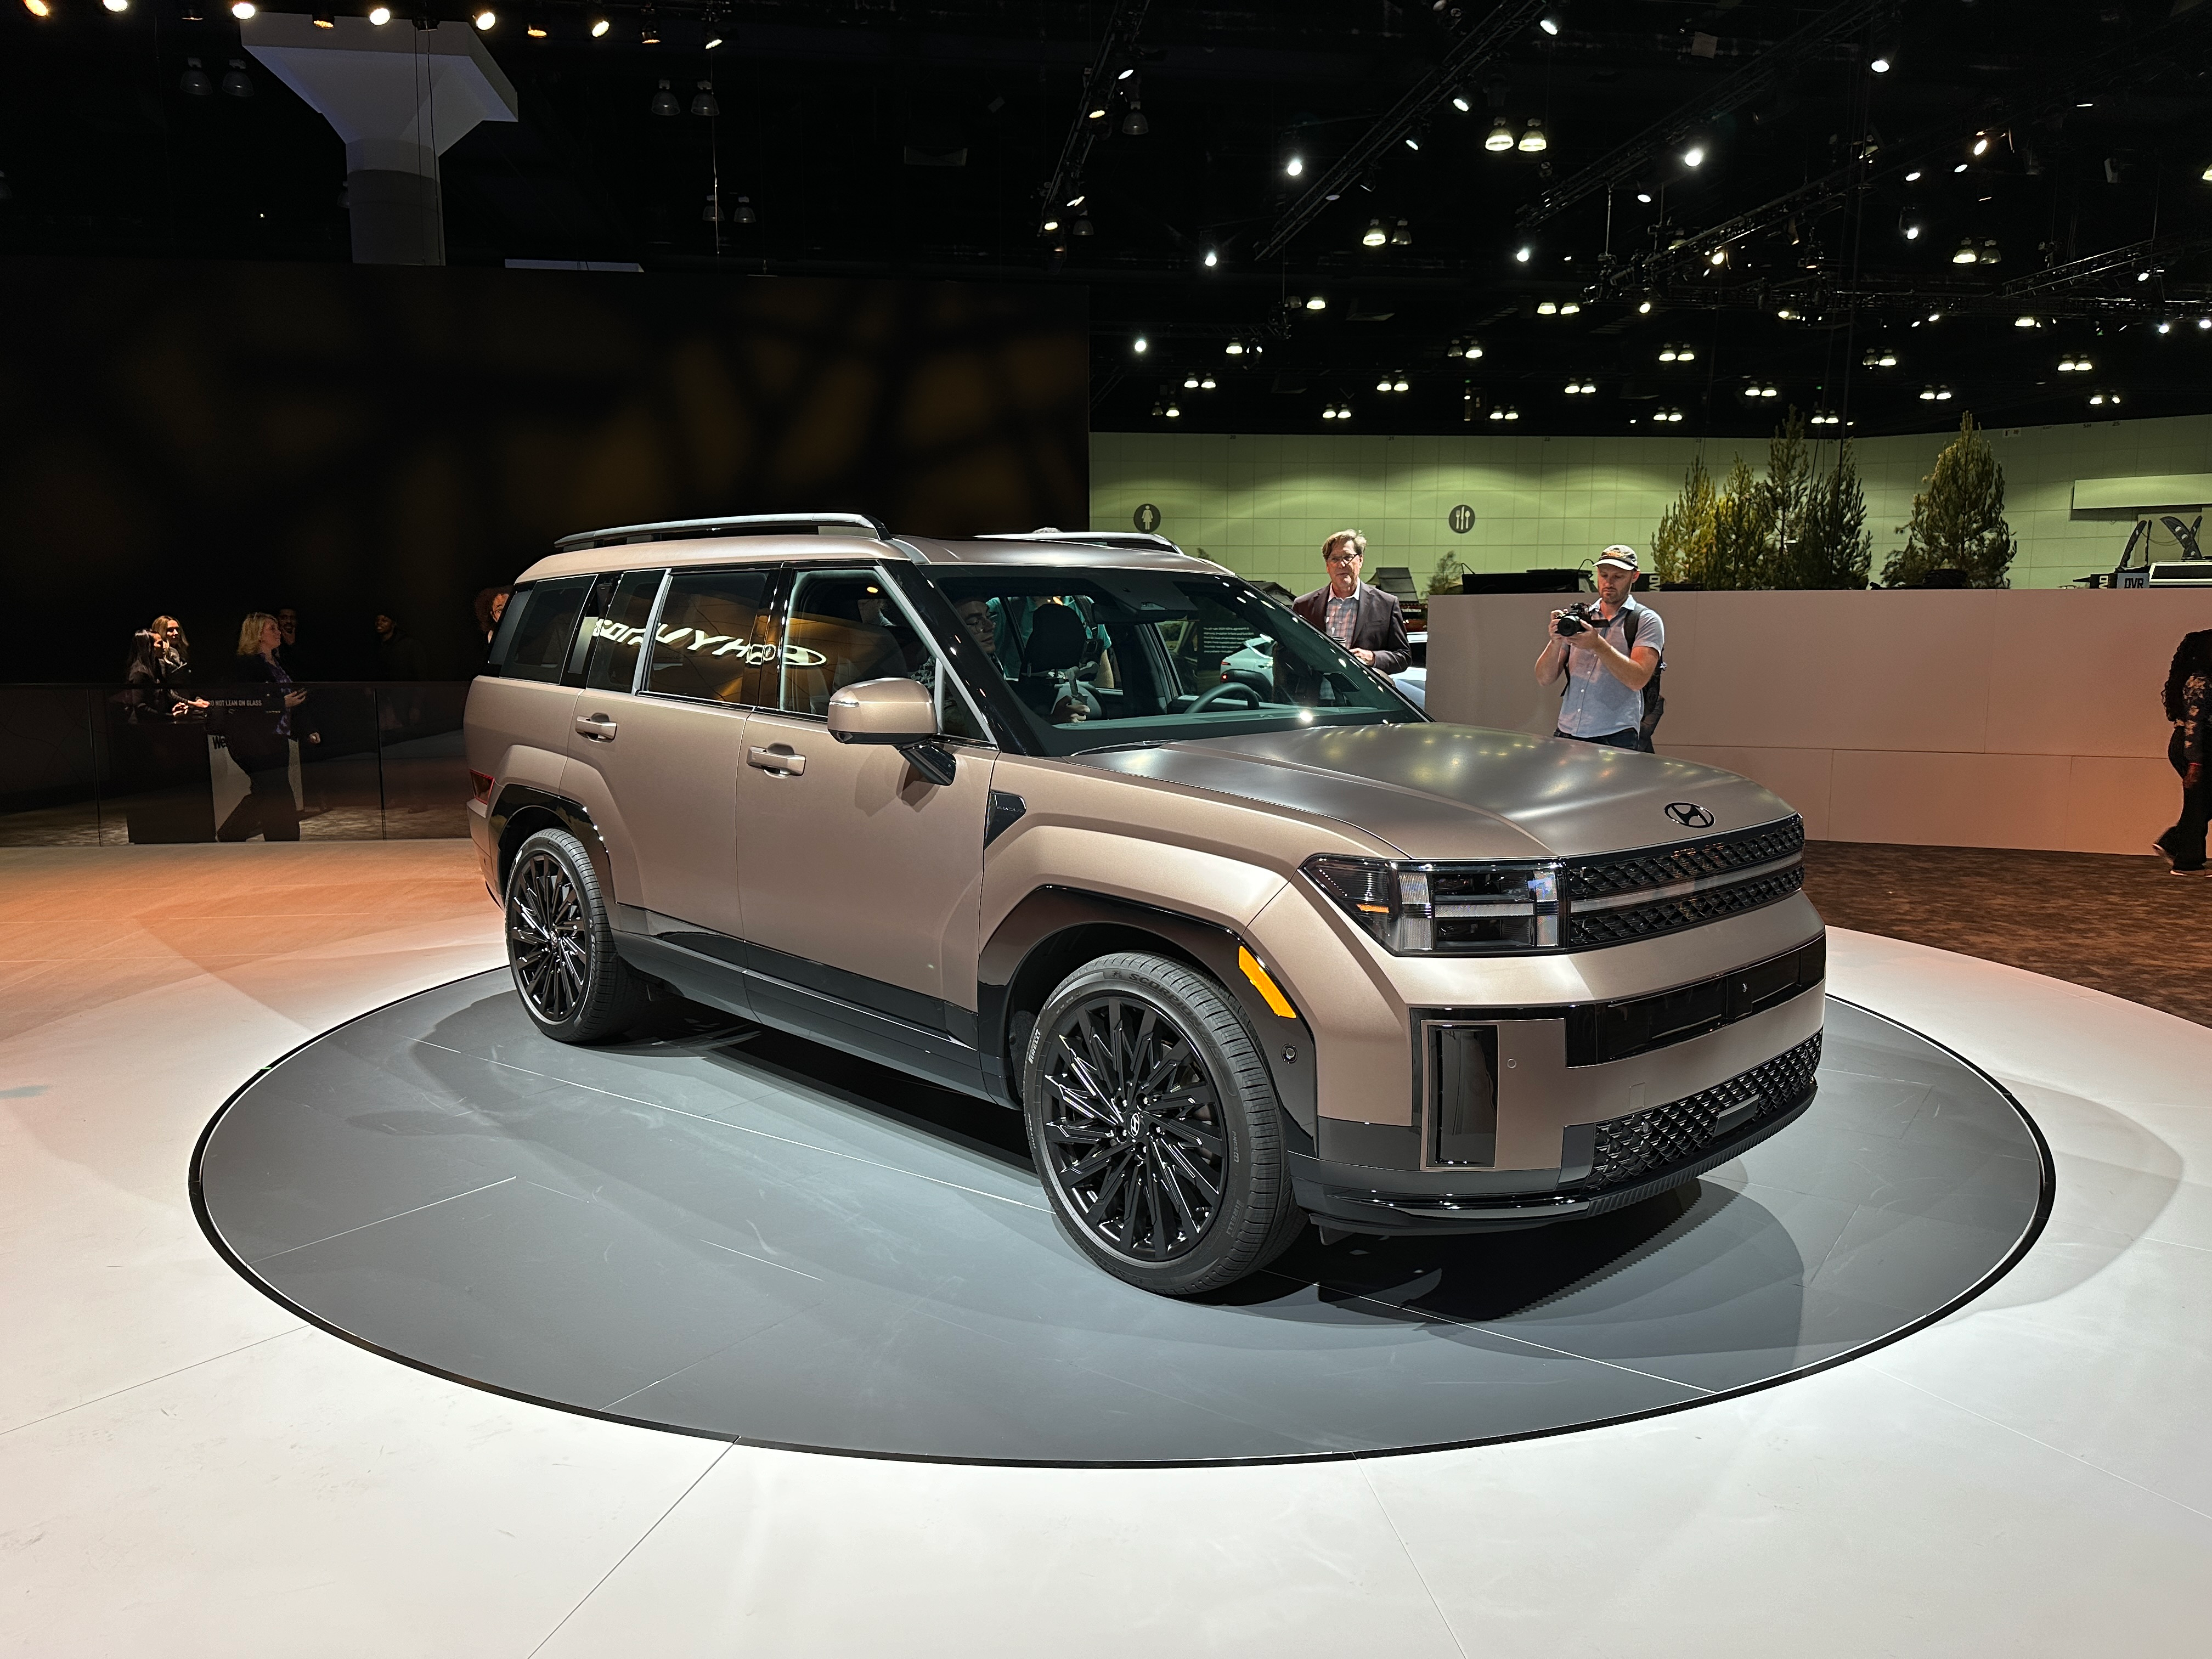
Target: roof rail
x,y
756,524
1137,541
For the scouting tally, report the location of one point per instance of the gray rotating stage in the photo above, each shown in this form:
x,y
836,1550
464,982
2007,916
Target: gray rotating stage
x,y
737,1234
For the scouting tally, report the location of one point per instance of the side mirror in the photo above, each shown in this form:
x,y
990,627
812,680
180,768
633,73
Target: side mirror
x,y
897,712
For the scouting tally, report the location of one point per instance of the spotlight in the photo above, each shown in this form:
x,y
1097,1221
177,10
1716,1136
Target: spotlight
x,y
1927,394
484,19
1382,385
1294,166
1501,135
380,15
1533,142
1786,314
1317,303
1548,309
1400,384
1413,141
1374,236
648,33
241,9
1460,103
1141,345
1965,255
1908,227
1685,354
1717,256
664,102
1174,413
1982,145
1211,260
1234,348
1572,308
1668,354
40,9
1643,196
1206,384
2017,322
712,41
2204,322
1098,114
1190,383
1473,350
599,27
1329,414
1913,177
1961,168
1643,307
702,101
1551,22
1694,156
1072,201
2165,326
1880,65
1821,417
1520,254
116,6
1050,225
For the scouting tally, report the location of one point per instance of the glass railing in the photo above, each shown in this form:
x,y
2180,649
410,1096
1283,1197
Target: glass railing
x,y
89,766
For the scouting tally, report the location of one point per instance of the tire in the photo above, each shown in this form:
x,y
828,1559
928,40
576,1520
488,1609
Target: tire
x,y
1180,1187
561,947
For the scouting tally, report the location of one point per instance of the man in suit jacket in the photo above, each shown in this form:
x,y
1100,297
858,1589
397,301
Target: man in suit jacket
x,y
1364,620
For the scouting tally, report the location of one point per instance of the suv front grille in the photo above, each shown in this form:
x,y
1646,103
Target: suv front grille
x,y
1689,911
1744,850
1636,1146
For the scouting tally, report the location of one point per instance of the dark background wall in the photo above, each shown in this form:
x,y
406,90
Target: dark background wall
x,y
207,439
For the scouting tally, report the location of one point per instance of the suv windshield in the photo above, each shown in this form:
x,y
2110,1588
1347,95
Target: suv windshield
x,y
1092,659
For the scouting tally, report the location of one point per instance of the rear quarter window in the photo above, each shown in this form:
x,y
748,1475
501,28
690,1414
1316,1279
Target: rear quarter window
x,y
544,620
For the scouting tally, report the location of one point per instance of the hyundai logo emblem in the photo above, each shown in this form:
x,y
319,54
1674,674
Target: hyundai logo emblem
x,y
1689,815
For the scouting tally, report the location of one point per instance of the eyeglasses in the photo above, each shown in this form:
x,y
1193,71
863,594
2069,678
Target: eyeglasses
x,y
1343,558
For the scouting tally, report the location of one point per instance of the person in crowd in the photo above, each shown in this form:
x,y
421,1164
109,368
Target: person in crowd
x,y
1607,658
1364,620
257,725
397,656
2188,705
490,606
160,671
297,658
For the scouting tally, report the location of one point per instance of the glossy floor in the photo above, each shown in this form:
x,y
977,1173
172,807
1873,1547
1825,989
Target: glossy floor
x,y
734,1233
187,1469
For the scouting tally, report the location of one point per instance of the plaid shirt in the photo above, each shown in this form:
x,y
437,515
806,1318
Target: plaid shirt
x,y
1344,616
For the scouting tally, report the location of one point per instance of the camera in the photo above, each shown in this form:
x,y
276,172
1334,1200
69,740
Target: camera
x,y
1576,617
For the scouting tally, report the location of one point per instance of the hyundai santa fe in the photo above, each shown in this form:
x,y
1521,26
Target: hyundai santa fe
x,y
1247,951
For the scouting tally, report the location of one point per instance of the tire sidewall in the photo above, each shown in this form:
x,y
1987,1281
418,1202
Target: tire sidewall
x,y
1254,1161
569,853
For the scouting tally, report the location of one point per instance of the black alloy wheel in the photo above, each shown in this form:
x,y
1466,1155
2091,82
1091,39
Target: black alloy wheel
x,y
560,944
1154,1125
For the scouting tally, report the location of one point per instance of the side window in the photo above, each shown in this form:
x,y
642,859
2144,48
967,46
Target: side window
x,y
613,666
510,620
701,644
539,644
840,627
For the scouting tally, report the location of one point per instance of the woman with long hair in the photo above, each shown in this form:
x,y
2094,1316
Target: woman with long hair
x,y
2188,705
257,727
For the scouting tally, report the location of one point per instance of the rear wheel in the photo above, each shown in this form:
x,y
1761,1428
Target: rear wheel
x,y
561,946
1155,1127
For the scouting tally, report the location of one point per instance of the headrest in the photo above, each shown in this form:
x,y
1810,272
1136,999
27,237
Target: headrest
x,y
1058,639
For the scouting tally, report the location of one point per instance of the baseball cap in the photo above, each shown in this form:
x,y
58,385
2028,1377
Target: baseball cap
x,y
1621,557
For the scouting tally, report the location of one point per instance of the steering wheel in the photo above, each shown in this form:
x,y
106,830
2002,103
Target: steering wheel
x,y
1207,698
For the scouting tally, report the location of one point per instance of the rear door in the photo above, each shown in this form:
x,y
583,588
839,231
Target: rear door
x,y
657,735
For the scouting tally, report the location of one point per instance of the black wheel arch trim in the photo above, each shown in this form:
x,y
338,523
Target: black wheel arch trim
x,y
523,801
1045,937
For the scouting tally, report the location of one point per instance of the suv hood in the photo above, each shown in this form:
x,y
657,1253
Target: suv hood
x,y
1461,792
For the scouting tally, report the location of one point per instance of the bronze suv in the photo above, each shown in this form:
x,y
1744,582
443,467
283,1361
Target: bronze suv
x,y
1244,953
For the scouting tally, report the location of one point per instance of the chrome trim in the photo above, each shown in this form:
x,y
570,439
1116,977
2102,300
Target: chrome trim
x,y
1683,888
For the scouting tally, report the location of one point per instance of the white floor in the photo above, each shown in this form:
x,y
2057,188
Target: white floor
x,y
186,1469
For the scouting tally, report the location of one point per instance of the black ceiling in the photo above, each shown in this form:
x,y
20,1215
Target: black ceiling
x,y
885,137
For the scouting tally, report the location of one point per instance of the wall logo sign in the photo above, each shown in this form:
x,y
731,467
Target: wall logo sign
x,y
1146,518
1461,519
1689,815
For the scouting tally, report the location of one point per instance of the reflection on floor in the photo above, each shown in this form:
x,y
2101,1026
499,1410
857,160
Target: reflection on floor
x,y
2118,925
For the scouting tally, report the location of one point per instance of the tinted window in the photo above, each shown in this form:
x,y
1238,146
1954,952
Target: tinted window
x,y
541,637
840,627
615,637
700,644
502,639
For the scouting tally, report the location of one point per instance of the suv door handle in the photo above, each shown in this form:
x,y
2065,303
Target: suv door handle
x,y
776,758
599,728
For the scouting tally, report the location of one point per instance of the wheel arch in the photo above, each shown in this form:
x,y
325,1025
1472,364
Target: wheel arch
x,y
1056,929
520,812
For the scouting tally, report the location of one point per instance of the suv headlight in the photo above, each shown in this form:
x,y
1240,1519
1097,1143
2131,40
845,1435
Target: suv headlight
x,y
1445,909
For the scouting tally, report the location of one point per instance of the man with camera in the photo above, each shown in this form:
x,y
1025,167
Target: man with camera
x,y
1610,654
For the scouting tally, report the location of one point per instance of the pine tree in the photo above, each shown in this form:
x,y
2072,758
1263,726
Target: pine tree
x,y
1682,544
1958,520
1742,525
1783,494
1834,550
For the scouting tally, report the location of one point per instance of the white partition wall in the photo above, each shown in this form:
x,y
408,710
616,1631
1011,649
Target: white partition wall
x,y
1960,719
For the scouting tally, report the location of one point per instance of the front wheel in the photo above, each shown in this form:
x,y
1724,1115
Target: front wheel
x,y
1154,1125
561,944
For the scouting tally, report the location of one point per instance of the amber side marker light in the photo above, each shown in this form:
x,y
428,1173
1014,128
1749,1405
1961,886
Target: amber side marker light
x,y
1266,987
480,781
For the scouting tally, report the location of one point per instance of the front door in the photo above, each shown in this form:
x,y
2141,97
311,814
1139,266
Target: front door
x,y
657,743
861,879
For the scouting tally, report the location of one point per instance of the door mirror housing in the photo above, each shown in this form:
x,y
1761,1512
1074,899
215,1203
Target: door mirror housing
x,y
891,711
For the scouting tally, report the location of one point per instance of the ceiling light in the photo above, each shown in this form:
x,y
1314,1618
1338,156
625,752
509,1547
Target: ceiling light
x,y
1551,22
1927,394
1460,103
1317,303
1329,414
1982,146
1174,413
1520,254
1533,142
1990,255
1694,156
1786,314
484,19
536,33
1294,166
1643,196
1382,385
1685,354
1473,350
1134,124
2017,322
194,83
1961,168
1668,355
664,102
1400,384
704,104
117,6
2204,322
1098,114
1211,260
1125,75
2096,398
2165,326
2207,174
1075,201
236,82
1206,384
1942,394
1965,255
1881,64
1190,383
1913,177
38,8
1234,348
742,214
242,9
1141,345
1401,236
1821,417
380,15
1374,236
1052,224
1413,141
1548,308
1572,308
1643,307
1717,256
1501,135
599,25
